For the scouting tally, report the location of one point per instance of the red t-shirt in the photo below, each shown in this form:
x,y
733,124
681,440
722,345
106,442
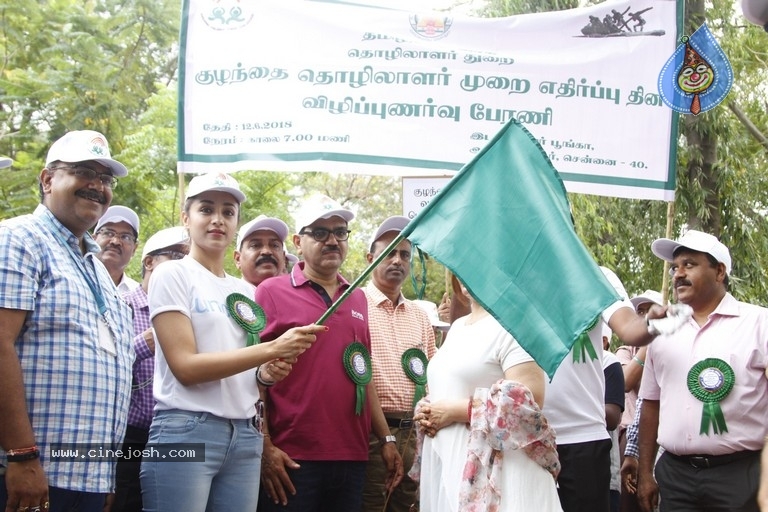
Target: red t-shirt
x,y
311,413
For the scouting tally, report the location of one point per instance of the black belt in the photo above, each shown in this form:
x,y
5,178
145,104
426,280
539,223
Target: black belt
x,y
710,461
395,422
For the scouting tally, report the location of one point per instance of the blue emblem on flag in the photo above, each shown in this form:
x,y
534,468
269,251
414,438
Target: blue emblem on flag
x,y
698,76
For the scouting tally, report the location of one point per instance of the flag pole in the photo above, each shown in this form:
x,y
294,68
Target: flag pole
x,y
361,278
403,234
665,277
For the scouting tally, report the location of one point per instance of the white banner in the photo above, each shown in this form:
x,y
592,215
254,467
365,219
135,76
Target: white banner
x,y
418,192
296,85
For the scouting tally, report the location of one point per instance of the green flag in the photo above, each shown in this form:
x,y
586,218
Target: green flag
x,y
503,226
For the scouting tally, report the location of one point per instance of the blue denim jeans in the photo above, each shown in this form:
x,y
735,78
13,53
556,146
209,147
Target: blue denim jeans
x,y
229,477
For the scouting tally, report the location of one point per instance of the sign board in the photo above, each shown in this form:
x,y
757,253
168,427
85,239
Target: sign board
x,y
297,85
418,192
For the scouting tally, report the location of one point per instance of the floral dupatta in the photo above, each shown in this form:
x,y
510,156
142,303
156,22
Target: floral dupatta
x,y
504,417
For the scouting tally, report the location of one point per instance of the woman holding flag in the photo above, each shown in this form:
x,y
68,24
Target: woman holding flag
x,y
207,325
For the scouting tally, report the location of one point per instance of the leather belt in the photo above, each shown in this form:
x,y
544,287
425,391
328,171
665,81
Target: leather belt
x,y
398,421
710,461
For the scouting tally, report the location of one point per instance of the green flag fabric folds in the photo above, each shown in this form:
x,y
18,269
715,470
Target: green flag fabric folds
x,y
503,226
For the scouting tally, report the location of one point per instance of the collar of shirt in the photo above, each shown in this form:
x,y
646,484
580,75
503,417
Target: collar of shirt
x,y
299,279
729,306
91,247
378,296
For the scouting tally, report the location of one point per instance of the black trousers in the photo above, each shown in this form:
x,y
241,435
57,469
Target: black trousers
x,y
127,486
584,484
730,487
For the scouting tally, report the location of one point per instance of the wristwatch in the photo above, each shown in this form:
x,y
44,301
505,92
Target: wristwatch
x,y
388,439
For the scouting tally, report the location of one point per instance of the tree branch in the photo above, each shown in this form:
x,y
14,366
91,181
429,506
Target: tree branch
x,y
750,126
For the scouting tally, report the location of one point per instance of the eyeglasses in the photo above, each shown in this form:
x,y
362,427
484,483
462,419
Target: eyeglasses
x,y
174,255
126,238
86,173
322,234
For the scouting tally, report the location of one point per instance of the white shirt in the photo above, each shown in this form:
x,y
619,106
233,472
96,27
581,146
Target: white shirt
x,y
189,288
126,284
735,332
575,398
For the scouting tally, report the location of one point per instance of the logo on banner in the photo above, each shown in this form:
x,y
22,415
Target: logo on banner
x,y
431,27
227,14
619,24
698,76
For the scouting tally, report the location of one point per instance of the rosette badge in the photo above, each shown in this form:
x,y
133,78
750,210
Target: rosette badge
x,y
710,381
248,315
357,363
415,367
582,347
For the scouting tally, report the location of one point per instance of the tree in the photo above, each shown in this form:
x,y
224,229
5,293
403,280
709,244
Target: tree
x,y
110,65
721,170
500,8
76,65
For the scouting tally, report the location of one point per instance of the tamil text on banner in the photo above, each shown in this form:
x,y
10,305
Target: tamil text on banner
x,y
296,85
418,191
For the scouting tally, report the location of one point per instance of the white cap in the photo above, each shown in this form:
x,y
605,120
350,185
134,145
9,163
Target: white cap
x,y
396,223
320,206
698,241
291,258
83,146
430,308
215,181
115,214
277,226
647,296
165,238
5,162
612,278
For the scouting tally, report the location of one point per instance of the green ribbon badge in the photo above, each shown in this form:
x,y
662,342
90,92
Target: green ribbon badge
x,y
357,363
248,315
583,345
710,381
415,367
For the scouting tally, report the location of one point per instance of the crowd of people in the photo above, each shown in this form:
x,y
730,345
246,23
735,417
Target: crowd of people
x,y
197,390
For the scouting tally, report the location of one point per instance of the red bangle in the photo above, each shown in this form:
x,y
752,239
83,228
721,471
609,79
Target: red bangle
x,y
469,411
23,454
21,451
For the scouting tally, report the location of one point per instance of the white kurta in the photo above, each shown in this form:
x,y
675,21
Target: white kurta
x,y
475,356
